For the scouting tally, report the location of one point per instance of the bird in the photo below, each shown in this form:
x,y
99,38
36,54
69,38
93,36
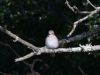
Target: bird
x,y
51,41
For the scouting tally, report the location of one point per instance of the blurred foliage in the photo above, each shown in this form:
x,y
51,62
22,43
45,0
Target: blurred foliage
x,y
31,20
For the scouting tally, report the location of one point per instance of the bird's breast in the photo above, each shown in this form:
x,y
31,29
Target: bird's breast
x,y
52,42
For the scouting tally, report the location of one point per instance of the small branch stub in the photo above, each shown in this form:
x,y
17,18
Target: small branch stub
x,y
16,39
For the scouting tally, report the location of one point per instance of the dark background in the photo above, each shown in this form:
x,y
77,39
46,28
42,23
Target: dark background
x,y
31,20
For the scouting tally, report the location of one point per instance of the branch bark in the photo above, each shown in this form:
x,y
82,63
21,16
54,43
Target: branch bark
x,y
81,36
86,48
83,19
18,39
38,51
76,23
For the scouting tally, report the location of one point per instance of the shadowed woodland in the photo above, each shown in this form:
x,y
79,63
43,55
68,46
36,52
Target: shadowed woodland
x,y
32,19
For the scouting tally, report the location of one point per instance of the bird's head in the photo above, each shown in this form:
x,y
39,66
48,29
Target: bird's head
x,y
51,32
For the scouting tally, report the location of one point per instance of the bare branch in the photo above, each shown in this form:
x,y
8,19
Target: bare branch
x,y
69,5
83,19
75,9
44,50
84,12
80,69
91,4
81,36
86,48
29,45
97,9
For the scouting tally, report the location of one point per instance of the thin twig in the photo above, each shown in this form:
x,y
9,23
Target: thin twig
x,y
80,69
69,5
32,66
82,19
84,12
91,4
97,9
75,9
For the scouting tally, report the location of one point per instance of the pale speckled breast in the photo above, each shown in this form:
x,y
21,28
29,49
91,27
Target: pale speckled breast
x,y
51,42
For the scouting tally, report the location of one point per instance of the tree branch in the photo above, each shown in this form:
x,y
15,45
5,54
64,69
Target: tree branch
x,y
83,19
81,36
86,48
45,50
80,69
97,9
29,45
75,9
91,4
70,7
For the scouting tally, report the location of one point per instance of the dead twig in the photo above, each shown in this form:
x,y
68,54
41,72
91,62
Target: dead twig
x,y
76,23
91,4
80,69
